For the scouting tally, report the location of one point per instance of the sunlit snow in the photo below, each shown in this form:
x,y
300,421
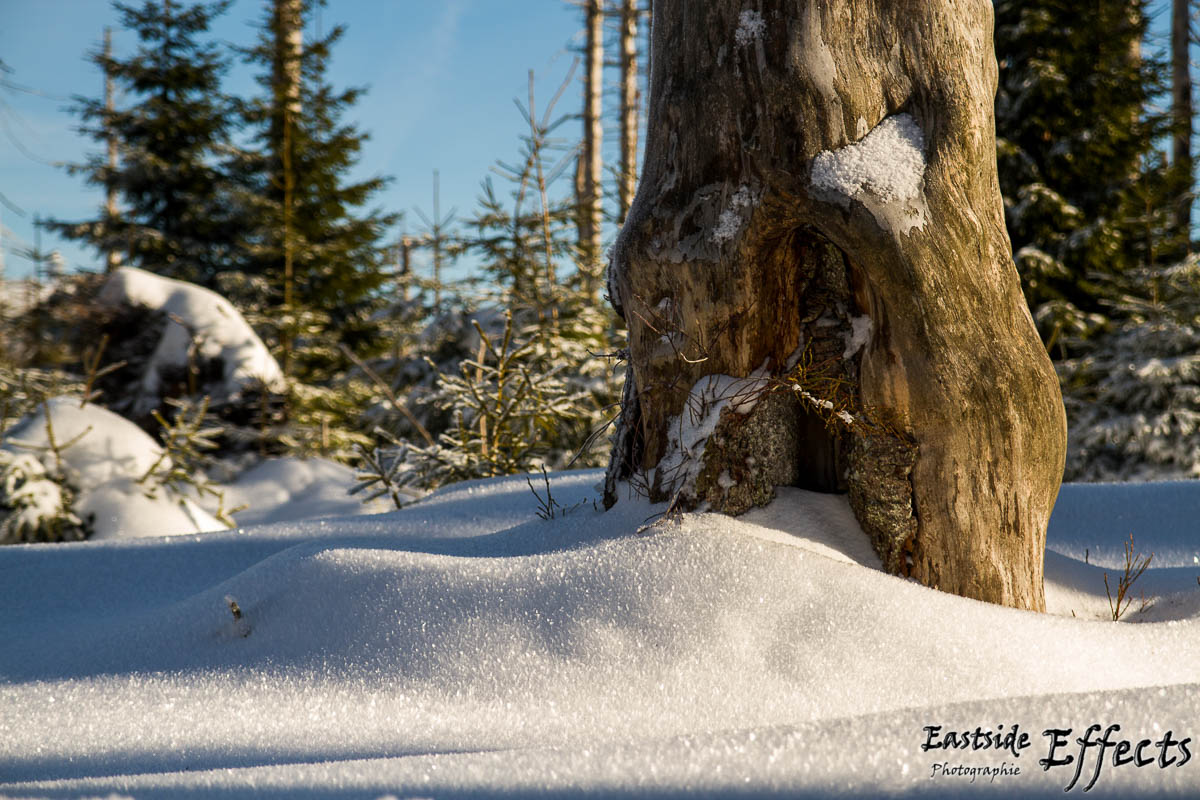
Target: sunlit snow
x,y
463,646
106,459
885,171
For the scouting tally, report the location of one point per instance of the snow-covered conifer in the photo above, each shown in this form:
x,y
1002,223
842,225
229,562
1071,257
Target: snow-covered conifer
x,y
1133,401
1084,193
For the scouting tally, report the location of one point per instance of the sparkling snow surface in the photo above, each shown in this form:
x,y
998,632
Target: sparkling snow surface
x,y
463,647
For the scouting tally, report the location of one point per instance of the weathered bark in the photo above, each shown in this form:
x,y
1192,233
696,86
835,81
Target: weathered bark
x,y
1181,109
758,246
590,165
630,103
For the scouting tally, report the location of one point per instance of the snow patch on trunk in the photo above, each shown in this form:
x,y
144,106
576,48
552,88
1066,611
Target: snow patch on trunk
x,y
751,27
730,221
885,171
860,333
688,432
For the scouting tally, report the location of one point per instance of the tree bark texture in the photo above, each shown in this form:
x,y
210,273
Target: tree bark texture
x,y
819,219
1181,108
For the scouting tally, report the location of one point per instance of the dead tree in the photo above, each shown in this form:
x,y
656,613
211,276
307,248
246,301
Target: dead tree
x,y
590,165
820,291
630,105
112,258
288,29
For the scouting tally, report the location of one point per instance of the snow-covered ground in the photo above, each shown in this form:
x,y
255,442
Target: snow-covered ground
x,y
464,647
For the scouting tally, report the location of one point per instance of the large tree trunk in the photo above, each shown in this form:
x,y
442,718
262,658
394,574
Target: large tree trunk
x,y
819,216
1181,107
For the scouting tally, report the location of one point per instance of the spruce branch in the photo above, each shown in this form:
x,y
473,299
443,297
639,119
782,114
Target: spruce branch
x,y
382,385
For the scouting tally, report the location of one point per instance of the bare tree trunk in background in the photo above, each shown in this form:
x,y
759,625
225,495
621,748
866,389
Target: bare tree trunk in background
x,y
819,216
112,258
289,32
437,242
590,166
404,267
630,103
1181,107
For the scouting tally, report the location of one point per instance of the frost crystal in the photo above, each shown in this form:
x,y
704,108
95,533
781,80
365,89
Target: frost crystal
x,y
730,221
750,29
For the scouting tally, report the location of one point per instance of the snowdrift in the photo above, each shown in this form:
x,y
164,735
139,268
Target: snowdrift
x,y
464,647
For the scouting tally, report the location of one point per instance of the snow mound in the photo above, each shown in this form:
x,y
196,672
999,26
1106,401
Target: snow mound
x,y
104,459
1093,521
463,647
194,313
290,488
885,171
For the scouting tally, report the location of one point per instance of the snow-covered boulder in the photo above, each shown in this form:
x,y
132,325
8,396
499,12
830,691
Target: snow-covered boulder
x,y
102,461
196,318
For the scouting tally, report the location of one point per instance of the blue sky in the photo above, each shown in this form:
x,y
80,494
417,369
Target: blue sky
x,y
442,75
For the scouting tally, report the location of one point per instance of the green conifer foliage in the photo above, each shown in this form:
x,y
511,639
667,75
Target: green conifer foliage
x,y
1082,184
176,219
337,243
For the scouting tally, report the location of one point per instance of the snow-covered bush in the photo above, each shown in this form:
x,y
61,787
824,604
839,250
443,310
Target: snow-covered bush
x,y
111,478
506,409
24,389
35,502
205,344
